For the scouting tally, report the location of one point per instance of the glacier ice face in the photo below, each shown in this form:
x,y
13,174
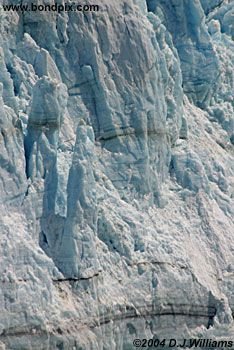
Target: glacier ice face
x,y
220,26
116,174
185,20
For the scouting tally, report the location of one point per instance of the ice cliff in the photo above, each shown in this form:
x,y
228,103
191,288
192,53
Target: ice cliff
x,y
116,174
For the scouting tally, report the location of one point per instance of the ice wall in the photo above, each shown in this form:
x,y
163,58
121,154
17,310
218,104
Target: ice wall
x,y
116,174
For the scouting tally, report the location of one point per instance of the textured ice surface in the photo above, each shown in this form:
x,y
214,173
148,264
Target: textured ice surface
x,y
116,174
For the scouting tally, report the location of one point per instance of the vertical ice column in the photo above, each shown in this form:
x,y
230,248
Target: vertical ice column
x,y
48,105
76,252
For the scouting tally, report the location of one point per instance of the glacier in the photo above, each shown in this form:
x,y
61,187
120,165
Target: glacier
x,y
116,174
